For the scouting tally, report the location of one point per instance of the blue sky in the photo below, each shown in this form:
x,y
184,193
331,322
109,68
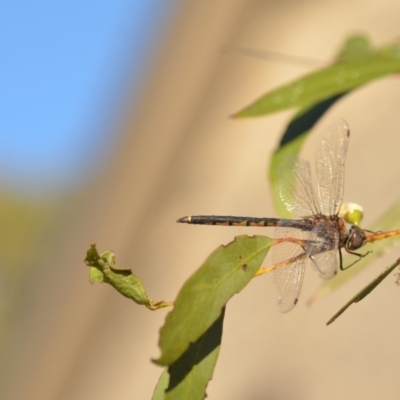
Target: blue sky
x,y
64,68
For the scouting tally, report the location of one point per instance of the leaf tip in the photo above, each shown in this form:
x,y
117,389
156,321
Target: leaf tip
x,y
236,115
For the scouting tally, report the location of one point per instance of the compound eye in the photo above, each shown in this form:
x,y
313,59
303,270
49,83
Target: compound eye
x,y
356,239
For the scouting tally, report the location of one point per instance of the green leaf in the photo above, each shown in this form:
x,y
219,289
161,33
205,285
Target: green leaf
x,y
389,221
317,92
366,291
190,374
161,387
127,284
104,269
355,47
95,276
92,255
322,85
199,303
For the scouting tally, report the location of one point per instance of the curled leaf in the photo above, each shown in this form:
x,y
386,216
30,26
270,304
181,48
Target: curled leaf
x,y
104,269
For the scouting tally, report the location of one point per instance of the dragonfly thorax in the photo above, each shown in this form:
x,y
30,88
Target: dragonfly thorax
x,y
329,232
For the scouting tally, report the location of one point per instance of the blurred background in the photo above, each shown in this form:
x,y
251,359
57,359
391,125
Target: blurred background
x,y
114,122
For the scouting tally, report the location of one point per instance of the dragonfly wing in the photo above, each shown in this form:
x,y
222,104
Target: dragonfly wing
x,y
323,247
295,188
326,264
331,157
288,279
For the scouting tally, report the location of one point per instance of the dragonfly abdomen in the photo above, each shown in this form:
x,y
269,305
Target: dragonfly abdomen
x,y
227,220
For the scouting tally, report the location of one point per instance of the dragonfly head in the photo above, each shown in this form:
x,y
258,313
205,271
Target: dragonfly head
x,y
352,213
356,239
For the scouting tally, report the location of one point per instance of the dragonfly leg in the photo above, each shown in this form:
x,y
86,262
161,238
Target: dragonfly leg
x,y
360,256
341,260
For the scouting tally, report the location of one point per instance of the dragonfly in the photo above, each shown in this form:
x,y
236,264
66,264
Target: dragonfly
x,y
318,232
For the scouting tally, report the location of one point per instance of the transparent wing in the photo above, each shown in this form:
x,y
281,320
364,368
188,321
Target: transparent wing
x,y
322,248
295,188
331,157
288,279
326,264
